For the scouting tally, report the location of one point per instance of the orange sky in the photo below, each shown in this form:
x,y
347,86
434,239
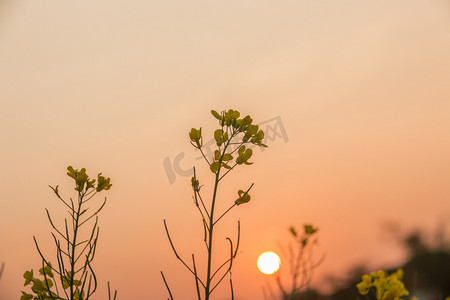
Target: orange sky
x,y
361,88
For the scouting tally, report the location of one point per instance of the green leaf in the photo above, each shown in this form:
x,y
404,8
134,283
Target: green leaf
x,y
65,280
216,115
244,156
216,155
214,167
246,121
227,157
218,136
77,296
243,198
196,137
77,282
47,269
252,129
241,150
237,124
248,153
231,116
226,166
26,296
28,275
38,286
195,134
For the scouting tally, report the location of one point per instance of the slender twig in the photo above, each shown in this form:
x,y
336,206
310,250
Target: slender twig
x,y
59,197
229,267
246,192
196,278
40,253
235,252
89,195
203,204
237,148
231,287
228,171
225,213
204,156
58,245
176,254
167,286
51,223
206,230
45,280
197,192
95,281
199,209
91,238
280,286
109,293
104,202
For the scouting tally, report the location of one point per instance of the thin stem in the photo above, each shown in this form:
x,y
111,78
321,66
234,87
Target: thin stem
x,y
58,245
204,156
231,287
104,202
198,207
211,227
45,280
228,171
109,293
211,220
196,278
246,192
229,268
237,148
57,194
40,253
93,192
203,203
235,251
74,242
167,286
197,192
51,223
225,213
176,254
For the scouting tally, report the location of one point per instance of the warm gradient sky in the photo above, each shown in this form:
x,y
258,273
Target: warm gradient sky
x,y
361,87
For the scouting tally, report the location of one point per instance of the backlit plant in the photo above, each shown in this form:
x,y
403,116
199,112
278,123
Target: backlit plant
x,y
299,254
72,278
234,139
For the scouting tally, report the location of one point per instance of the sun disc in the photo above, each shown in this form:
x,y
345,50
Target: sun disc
x,y
268,263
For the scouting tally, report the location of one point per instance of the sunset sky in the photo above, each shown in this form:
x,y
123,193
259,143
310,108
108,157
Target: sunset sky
x,y
361,88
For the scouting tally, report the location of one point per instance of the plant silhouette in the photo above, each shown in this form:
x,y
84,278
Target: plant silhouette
x,y
234,139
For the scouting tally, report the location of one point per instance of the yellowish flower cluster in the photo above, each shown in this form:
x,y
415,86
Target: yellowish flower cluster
x,y
83,183
386,287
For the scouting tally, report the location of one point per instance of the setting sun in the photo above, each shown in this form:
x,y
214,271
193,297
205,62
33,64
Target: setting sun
x,y
269,262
